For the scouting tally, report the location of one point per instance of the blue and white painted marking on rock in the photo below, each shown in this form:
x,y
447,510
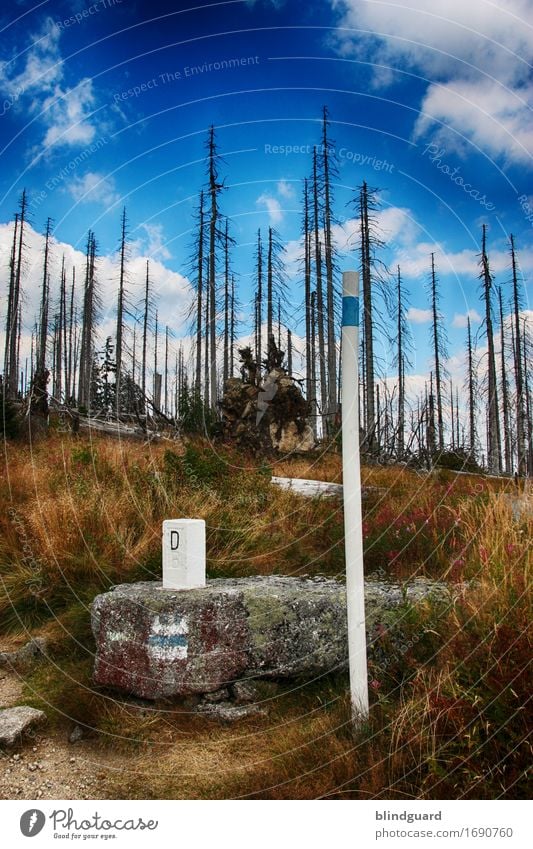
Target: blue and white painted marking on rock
x,y
168,639
350,311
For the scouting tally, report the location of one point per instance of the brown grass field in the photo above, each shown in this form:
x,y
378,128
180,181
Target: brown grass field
x,y
449,718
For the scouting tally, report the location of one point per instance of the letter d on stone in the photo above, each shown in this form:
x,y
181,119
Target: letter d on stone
x,y
183,554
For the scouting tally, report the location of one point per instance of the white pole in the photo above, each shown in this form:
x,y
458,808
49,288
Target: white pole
x,y
353,522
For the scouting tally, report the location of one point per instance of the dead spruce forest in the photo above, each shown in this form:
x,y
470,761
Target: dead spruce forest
x,y
107,435
142,374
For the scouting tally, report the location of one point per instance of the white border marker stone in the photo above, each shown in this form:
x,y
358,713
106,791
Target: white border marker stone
x,y
183,554
353,523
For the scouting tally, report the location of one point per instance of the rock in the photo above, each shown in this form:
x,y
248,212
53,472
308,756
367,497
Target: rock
x,y
290,439
221,695
76,734
31,652
228,712
15,721
244,693
157,643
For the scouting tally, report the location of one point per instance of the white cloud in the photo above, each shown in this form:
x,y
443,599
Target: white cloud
x,y
285,189
34,79
94,188
461,319
495,118
155,242
172,291
418,316
477,55
273,207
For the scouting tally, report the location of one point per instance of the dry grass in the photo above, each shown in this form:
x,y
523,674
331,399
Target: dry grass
x,y
450,716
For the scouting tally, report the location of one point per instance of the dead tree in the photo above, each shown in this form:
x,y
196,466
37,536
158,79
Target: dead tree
x,y
328,166
507,453
199,295
120,314
493,425
518,370
472,393
10,321
14,302
307,295
368,326
401,359
319,295
45,295
438,342
215,187
88,326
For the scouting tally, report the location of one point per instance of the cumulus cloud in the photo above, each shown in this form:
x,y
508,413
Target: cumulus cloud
x,y
418,316
476,54
34,79
273,207
285,189
94,188
172,290
154,243
461,319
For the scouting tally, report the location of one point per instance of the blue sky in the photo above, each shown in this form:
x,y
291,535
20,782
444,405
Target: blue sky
x,y
107,103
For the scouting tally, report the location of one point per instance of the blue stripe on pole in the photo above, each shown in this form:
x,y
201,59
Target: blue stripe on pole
x,y
350,311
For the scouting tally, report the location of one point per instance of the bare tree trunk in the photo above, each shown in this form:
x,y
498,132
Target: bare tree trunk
x,y
330,296
214,188
43,330
370,435
60,332
307,287
120,314
401,371
86,349
270,316
312,375
471,394
207,339
225,370
529,429
436,353
10,318
505,394
166,370
319,301
15,330
518,370
493,432
70,356
199,296
232,329
145,331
